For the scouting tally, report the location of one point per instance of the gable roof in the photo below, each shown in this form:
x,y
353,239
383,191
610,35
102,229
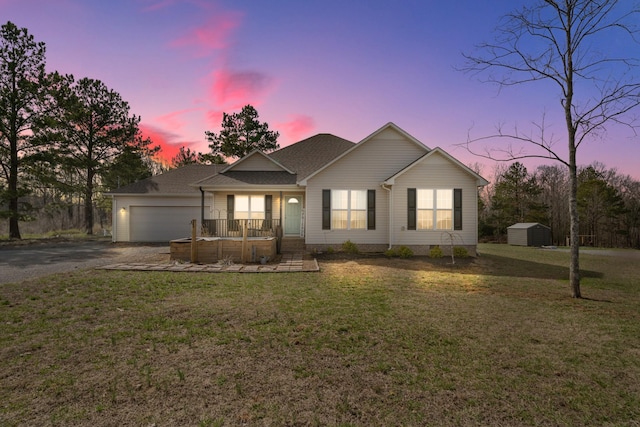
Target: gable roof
x,y
174,181
389,125
296,161
398,129
309,155
255,153
526,225
480,181
239,178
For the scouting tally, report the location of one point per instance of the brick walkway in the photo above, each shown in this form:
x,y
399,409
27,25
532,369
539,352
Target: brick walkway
x,y
288,263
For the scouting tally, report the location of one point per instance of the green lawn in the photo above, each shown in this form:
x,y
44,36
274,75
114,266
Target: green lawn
x,y
372,341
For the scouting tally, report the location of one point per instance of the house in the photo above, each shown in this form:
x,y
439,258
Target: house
x,y
388,190
529,234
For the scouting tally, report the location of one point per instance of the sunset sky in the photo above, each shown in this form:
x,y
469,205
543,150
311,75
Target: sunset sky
x,y
332,66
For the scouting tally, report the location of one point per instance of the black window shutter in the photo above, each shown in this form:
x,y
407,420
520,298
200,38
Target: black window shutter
x,y
268,212
411,209
230,206
268,207
232,225
457,209
326,209
371,209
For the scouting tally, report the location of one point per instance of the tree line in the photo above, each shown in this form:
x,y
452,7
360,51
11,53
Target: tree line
x,y
608,204
64,142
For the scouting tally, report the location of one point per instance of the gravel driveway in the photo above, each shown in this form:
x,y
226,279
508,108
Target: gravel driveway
x,y
18,263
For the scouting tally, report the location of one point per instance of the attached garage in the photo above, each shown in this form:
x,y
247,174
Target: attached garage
x,y
160,208
529,234
161,223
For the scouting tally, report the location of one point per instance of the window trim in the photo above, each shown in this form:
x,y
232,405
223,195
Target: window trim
x,y
250,211
369,209
413,210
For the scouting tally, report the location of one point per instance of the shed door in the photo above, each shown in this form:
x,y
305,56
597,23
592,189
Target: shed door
x,y
161,223
539,237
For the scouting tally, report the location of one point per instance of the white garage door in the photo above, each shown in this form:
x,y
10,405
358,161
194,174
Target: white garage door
x,y
162,223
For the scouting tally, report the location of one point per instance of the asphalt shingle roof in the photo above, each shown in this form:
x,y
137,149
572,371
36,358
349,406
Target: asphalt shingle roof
x,y
174,181
309,155
234,178
303,158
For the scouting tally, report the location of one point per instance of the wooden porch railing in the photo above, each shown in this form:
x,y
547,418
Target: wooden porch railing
x,y
234,227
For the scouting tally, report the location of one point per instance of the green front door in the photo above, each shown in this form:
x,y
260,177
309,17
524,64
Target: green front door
x,y
292,215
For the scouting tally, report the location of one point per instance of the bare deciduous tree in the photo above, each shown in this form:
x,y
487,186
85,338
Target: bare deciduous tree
x,y
557,41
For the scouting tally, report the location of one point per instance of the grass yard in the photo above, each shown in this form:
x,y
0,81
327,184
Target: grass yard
x,y
366,342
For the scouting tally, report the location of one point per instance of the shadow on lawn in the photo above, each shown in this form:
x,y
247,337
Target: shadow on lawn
x,y
503,266
491,265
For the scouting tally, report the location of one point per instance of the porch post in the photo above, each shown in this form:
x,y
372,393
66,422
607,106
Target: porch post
x,y
245,245
194,242
201,207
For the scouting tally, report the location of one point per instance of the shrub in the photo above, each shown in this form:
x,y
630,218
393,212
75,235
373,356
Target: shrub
x,y
350,247
405,252
392,252
435,252
330,250
460,252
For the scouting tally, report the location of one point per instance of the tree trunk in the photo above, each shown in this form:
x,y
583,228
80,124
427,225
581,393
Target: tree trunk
x,y
88,203
14,226
574,265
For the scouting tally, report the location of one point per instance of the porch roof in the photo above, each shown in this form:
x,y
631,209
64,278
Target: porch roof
x,y
239,178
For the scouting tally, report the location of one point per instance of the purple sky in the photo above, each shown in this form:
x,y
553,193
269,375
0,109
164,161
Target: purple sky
x,y
335,66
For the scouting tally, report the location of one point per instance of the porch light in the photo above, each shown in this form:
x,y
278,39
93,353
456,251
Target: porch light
x,y
293,200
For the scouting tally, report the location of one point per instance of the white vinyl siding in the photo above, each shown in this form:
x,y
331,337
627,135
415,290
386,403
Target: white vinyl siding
x,y
441,174
363,168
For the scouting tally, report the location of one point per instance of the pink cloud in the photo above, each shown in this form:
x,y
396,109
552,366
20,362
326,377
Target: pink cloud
x,y
297,127
238,88
174,119
213,35
214,118
167,141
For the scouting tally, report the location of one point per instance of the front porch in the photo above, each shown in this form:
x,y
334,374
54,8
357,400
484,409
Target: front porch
x,y
236,227
242,240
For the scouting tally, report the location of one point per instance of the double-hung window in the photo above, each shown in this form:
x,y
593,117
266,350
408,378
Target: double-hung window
x,y
434,209
249,207
348,209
